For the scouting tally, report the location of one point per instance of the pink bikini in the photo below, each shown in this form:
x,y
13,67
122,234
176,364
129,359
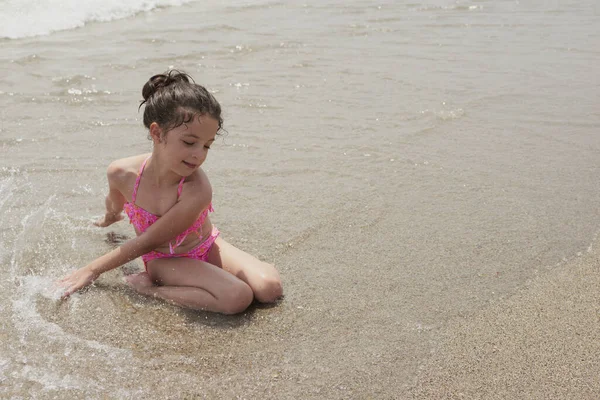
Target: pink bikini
x,y
142,219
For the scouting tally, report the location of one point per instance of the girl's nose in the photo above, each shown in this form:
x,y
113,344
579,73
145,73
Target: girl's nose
x,y
199,154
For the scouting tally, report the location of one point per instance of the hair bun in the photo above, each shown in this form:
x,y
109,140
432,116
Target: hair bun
x,y
160,81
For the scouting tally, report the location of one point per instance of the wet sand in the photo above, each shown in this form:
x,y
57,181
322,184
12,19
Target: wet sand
x,y
541,343
424,176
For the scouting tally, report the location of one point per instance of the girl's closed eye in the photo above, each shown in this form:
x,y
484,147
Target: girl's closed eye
x,y
207,147
188,143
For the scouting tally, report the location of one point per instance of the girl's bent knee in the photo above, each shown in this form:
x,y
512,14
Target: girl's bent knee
x,y
237,299
270,290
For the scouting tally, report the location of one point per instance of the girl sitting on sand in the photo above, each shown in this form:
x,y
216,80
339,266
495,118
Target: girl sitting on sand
x,y
167,197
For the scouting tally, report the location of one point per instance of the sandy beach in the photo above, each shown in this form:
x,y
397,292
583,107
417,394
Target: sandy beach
x,y
423,175
540,343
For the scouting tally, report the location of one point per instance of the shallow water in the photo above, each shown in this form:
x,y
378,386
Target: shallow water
x,y
401,164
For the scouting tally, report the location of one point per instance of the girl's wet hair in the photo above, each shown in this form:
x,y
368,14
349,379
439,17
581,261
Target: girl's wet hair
x,y
173,99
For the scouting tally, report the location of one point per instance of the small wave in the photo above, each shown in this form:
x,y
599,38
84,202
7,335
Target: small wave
x,y
26,60
27,318
450,114
32,327
67,81
452,7
256,5
445,115
26,18
6,186
4,367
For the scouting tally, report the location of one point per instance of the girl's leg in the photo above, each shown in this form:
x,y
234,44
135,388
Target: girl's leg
x,y
193,284
263,278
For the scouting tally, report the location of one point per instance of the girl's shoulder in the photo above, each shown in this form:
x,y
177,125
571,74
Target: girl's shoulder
x,y
123,171
197,186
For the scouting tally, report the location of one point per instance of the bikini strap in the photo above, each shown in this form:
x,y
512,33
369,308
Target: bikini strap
x,y
137,180
180,188
177,242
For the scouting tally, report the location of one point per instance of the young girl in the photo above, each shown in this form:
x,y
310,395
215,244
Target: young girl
x,y
167,197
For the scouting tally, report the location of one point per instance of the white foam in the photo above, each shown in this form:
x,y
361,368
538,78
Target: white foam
x,y
50,380
24,237
4,366
23,18
5,190
26,317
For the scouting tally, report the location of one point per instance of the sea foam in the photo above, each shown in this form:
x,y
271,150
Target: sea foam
x,y
24,18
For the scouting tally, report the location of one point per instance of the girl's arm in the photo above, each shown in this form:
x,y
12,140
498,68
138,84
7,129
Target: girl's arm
x,y
114,199
195,197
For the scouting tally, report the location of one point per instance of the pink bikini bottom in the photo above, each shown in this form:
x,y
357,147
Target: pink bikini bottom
x,y
199,252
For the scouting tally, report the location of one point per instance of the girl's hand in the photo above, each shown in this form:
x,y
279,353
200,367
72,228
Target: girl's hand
x,y
108,219
77,280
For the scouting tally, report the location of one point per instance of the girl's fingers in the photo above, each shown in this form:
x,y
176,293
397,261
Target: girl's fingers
x,y
70,290
64,280
74,282
67,277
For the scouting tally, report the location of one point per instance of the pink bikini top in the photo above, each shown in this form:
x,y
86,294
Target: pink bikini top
x,y
142,219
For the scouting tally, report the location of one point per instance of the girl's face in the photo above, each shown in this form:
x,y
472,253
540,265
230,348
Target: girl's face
x,y
185,148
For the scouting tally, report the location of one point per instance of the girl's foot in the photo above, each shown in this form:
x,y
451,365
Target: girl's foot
x,y
141,283
108,219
